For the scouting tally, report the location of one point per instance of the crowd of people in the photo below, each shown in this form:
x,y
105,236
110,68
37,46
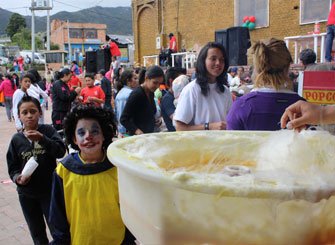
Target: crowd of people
x,y
78,197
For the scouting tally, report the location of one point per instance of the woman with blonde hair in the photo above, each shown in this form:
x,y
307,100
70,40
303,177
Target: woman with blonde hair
x,y
262,108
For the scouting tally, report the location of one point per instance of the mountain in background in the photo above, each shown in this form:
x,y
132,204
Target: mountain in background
x,y
118,19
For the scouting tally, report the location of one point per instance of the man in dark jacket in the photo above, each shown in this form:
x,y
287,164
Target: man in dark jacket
x,y
107,88
62,98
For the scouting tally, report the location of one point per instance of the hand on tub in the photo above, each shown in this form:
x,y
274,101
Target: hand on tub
x,y
298,115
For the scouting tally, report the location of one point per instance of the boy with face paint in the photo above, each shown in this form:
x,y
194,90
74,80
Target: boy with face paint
x,y
85,201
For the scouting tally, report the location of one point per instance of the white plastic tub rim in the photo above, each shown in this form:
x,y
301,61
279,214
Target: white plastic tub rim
x,y
263,187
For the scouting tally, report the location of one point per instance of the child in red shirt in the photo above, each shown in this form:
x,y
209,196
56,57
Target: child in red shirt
x,y
92,94
74,82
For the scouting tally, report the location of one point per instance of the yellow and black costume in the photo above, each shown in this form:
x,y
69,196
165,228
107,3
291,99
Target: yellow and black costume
x,y
85,203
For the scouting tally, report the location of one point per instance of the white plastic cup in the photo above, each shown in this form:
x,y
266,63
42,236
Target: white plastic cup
x,y
30,167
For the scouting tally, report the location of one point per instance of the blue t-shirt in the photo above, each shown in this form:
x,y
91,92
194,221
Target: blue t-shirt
x,y
76,70
168,109
120,103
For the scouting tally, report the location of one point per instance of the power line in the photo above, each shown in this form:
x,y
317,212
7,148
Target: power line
x,y
18,8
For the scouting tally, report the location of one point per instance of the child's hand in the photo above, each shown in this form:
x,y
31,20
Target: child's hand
x,y
22,180
33,135
91,99
77,89
138,131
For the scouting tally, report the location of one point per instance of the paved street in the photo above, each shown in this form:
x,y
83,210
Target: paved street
x,y
13,228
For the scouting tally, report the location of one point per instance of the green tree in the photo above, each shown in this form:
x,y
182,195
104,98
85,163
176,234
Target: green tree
x,y
54,46
23,40
15,24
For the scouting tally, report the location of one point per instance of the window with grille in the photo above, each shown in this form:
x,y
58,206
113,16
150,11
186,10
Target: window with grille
x,y
76,33
91,34
257,8
312,11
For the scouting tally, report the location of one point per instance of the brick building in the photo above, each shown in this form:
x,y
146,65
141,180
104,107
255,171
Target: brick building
x,y
195,22
83,36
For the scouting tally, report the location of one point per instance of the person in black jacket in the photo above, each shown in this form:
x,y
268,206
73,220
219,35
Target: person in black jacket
x,y
62,98
107,88
138,116
41,144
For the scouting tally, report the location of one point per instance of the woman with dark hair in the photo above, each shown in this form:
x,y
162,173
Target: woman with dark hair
x,y
129,82
37,92
8,87
62,98
261,109
141,75
138,116
204,103
75,68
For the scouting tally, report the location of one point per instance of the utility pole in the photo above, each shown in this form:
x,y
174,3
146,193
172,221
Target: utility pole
x,y
32,31
48,26
69,42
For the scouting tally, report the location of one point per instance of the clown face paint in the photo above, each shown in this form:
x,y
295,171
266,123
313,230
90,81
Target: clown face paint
x,y
89,138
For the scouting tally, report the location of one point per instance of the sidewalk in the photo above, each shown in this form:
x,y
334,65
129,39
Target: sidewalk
x,y
13,228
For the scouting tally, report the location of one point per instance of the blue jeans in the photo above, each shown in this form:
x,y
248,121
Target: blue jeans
x,y
9,107
329,42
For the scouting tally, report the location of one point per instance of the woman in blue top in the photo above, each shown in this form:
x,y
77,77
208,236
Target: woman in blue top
x,y
75,68
129,82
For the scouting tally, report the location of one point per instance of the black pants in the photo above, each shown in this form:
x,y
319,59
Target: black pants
x,y
57,119
34,211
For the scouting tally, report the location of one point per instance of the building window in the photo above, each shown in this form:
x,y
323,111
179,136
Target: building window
x,y
312,11
257,8
54,58
76,33
91,34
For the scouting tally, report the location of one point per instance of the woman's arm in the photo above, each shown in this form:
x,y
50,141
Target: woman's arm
x,y
43,94
302,113
127,116
16,99
180,126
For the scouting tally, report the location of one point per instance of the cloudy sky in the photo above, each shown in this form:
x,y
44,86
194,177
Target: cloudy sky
x,y
22,6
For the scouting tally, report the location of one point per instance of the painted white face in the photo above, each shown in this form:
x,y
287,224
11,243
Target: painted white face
x,y
89,136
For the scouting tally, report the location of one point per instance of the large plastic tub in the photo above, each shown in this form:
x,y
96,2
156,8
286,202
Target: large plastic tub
x,y
227,187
